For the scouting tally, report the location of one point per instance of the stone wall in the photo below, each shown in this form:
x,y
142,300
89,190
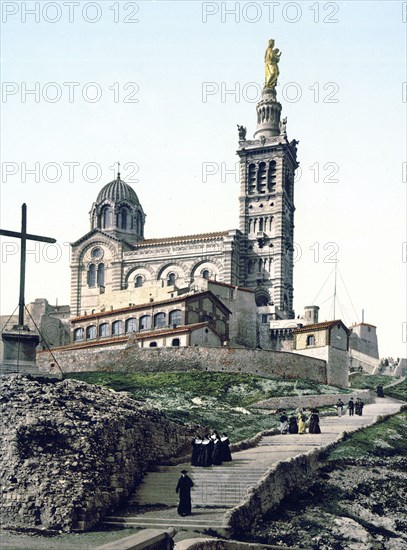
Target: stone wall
x,y
259,362
337,361
72,452
368,363
313,401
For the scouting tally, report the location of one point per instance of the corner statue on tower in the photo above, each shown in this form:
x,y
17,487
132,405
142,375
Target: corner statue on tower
x,y
271,59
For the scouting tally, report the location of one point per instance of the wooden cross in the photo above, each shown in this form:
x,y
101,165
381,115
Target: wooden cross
x,y
24,236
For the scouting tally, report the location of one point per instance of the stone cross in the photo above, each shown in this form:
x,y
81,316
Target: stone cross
x,y
24,236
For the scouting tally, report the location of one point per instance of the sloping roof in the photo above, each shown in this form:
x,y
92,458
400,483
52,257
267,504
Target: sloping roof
x,y
321,326
182,298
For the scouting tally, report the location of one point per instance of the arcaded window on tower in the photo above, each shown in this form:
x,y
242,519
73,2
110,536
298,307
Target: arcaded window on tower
x,y
205,274
271,177
252,179
138,281
92,275
106,217
261,178
171,279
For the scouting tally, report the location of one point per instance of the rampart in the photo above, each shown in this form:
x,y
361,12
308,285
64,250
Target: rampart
x,y
258,362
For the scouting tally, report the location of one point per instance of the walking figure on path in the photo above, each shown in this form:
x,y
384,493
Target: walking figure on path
x,y
359,406
314,422
301,422
283,423
351,406
184,487
339,407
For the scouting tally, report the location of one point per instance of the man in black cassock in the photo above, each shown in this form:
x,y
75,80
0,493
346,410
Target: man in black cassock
x,y
184,486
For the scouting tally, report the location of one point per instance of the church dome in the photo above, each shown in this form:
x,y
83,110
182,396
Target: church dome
x,y
116,191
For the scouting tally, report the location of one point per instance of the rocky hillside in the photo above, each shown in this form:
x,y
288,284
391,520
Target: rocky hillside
x,y
71,452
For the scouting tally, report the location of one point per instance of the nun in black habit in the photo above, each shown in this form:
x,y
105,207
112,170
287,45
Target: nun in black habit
x,y
183,488
293,426
314,422
207,451
217,450
226,455
196,458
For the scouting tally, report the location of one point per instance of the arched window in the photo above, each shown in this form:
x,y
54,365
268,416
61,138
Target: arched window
x,y
101,275
271,176
124,218
106,217
104,330
311,340
205,273
117,328
145,322
78,334
252,179
159,320
92,275
171,279
261,224
153,344
138,281
175,342
131,325
175,318
261,178
91,332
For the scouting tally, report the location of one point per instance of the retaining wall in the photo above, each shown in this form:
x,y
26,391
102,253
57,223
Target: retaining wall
x,y
259,362
313,401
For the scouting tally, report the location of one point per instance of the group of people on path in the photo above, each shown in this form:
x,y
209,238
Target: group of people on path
x,y
354,407
297,424
211,450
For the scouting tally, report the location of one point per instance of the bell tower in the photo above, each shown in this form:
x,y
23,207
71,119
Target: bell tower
x,y
266,213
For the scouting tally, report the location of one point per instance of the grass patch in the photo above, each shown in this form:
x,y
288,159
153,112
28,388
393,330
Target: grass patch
x,y
398,392
221,401
384,439
369,381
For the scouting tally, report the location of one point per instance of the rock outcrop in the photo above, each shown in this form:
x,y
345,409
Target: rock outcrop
x,y
71,452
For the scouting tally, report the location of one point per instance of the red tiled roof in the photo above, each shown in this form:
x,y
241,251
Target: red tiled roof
x,y
129,309
320,326
363,324
230,286
89,344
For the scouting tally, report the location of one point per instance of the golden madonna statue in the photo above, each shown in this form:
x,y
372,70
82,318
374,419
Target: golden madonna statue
x,y
271,59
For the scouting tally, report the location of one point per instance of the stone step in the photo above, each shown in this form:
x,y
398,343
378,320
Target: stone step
x,y
170,523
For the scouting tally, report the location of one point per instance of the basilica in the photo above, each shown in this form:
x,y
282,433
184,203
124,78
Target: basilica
x,y
114,266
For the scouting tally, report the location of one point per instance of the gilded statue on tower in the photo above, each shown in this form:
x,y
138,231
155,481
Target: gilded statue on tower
x,y
271,59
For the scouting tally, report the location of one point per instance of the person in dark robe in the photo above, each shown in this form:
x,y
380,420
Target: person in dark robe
x,y
183,489
359,406
217,450
380,391
283,423
226,454
196,452
314,422
207,450
293,426
351,406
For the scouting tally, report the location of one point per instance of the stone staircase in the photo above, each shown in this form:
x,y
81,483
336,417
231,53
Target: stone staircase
x,y
217,489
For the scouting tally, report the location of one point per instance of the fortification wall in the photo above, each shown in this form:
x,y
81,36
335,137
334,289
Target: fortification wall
x,y
258,362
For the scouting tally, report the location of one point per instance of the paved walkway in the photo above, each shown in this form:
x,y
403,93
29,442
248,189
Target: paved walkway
x,y
219,488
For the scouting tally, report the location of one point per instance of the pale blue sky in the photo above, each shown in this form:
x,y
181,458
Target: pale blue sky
x,y
170,54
